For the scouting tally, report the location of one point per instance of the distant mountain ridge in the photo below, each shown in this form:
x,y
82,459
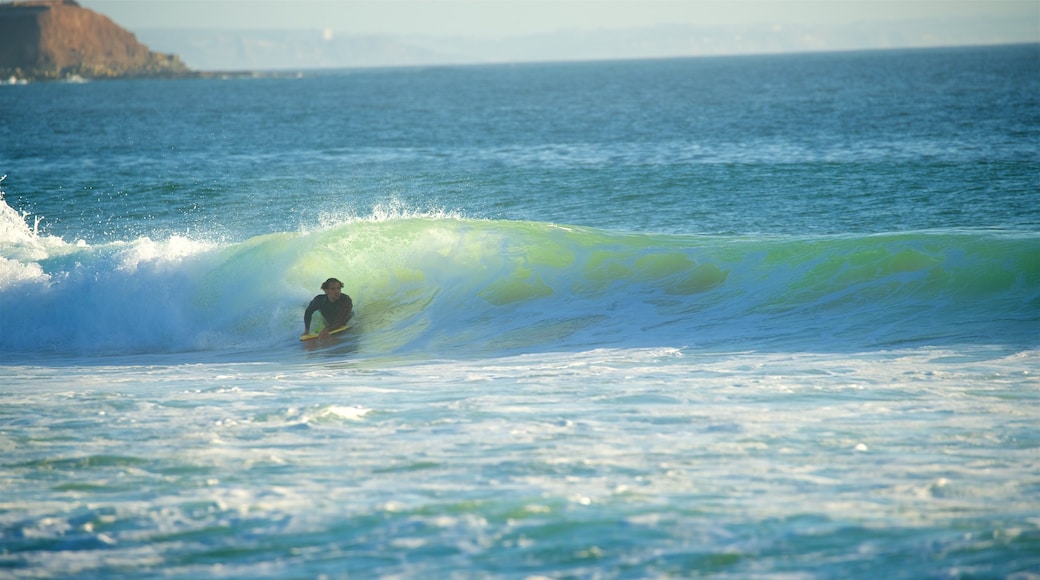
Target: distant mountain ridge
x,y
59,39
297,49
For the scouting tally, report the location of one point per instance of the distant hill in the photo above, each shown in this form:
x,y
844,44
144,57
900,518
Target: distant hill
x,y
59,39
209,49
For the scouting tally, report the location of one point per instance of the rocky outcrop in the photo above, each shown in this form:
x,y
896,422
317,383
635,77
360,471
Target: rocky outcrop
x,y
59,39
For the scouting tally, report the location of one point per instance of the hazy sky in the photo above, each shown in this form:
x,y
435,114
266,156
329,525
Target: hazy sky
x,y
498,18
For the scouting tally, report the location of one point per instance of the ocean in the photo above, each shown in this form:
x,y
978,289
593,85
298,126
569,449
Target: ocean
x,y
736,317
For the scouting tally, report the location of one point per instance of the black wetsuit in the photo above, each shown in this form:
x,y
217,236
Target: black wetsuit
x,y
336,314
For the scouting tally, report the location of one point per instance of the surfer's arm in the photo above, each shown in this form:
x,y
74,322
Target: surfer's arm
x,y
308,314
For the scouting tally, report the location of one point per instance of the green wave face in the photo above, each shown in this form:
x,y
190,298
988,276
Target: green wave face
x,y
453,285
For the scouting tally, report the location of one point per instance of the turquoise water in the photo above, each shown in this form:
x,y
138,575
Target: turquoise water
x,y
755,316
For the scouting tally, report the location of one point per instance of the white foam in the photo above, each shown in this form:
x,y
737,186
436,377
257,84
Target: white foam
x,y
144,251
21,242
13,272
350,413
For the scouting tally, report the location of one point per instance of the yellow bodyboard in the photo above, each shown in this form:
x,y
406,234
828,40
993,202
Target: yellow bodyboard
x,y
313,335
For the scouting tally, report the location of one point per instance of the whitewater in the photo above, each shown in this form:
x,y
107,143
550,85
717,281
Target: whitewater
x,y
735,317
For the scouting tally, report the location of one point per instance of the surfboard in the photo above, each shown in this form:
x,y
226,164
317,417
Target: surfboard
x,y
315,334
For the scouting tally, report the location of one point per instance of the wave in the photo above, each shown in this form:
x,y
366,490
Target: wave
x,y
444,286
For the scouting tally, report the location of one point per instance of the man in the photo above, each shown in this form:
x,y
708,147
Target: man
x,y
335,307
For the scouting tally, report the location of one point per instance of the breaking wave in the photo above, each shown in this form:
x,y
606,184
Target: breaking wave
x,y
446,286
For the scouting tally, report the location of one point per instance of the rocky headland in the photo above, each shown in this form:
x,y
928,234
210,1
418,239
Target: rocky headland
x,y
61,40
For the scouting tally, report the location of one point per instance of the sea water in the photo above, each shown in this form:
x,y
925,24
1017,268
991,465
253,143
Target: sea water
x,y
772,316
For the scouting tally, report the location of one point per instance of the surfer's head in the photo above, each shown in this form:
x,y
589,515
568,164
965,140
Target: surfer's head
x,y
332,283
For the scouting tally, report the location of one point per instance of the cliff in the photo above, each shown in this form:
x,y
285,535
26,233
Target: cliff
x,y
59,39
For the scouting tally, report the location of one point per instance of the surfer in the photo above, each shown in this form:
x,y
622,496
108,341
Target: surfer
x,y
335,307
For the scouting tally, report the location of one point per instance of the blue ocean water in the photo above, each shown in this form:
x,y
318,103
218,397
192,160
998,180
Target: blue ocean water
x,y
773,316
